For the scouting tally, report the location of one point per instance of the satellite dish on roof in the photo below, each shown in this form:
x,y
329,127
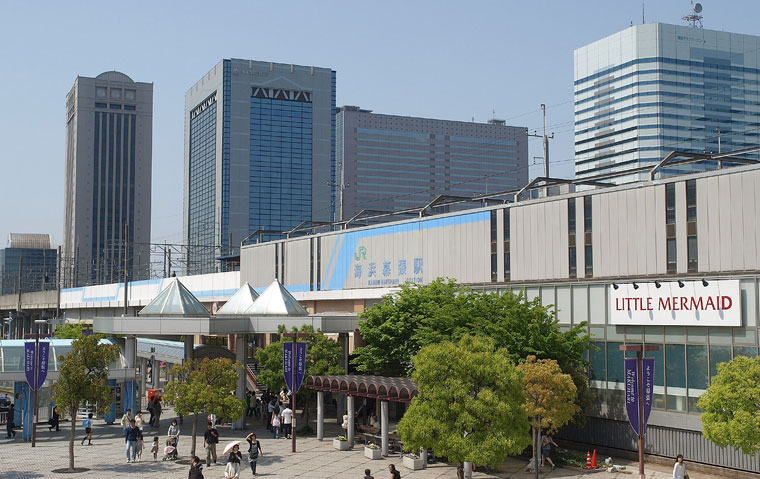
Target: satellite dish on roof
x,y
694,18
697,8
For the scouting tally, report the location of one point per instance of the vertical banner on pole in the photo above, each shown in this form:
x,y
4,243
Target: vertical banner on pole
x,y
300,364
44,352
287,363
29,363
648,372
632,393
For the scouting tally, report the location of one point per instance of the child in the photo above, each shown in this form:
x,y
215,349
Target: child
x,y
87,425
139,446
154,449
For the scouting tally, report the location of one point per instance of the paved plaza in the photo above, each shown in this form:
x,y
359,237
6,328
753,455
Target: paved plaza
x,y
314,459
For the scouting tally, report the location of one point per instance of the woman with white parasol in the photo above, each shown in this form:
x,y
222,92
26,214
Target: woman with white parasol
x,y
232,471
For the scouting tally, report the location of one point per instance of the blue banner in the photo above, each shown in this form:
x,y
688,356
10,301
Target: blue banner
x,y
287,363
44,353
29,363
648,366
300,364
632,393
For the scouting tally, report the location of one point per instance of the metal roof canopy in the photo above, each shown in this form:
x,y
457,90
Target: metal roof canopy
x,y
385,388
172,326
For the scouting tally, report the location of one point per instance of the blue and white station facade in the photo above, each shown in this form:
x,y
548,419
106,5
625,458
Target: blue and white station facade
x,y
672,262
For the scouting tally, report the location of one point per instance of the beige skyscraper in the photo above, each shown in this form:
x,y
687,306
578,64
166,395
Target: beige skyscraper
x,y
109,122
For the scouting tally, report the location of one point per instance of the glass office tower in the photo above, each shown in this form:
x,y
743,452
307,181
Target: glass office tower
x,y
259,155
655,88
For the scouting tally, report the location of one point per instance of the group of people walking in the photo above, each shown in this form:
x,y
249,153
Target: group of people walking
x,y
132,428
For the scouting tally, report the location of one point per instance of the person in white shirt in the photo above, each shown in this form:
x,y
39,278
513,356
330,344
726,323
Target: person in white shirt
x,y
125,421
287,421
679,468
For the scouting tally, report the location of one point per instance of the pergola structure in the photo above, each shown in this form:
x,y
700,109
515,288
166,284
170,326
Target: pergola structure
x,y
383,388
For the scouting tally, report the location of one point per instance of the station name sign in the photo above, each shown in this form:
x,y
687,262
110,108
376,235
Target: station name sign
x,y
716,304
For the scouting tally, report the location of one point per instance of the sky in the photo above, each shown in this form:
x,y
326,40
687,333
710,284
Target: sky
x,y
466,60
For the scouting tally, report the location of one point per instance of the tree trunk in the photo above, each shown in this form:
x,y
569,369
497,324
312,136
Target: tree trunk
x,y
536,455
195,432
460,470
72,437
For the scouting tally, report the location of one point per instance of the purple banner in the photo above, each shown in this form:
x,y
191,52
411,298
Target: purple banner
x,y
648,389
632,393
29,360
300,364
287,363
43,370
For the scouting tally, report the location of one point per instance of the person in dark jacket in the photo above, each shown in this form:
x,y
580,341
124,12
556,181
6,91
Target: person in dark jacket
x,y
133,433
9,425
195,469
54,420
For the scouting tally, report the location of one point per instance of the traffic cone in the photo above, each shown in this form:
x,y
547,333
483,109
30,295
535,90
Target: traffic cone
x,y
593,460
588,460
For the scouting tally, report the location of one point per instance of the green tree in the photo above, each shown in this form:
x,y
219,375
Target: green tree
x,y
73,331
205,386
549,399
322,358
82,377
469,407
417,316
731,405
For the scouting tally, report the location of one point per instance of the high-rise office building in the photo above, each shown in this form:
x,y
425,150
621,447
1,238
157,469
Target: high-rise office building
x,y
655,88
259,154
27,264
389,162
109,150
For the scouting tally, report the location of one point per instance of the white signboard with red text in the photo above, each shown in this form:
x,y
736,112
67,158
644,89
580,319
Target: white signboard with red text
x,y
717,304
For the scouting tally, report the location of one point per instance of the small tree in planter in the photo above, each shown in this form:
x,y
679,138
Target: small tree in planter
x,y
205,386
82,379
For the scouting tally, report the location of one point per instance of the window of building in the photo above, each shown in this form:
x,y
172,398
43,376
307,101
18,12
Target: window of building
x,y
507,257
598,362
675,379
572,255
115,106
718,354
588,249
691,226
101,105
130,107
696,355
670,227
494,257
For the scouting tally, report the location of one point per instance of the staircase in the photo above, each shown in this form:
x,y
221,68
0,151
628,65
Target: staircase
x,y
251,373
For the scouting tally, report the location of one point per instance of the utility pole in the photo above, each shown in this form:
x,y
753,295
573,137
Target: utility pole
x,y
58,286
545,144
342,187
126,269
720,161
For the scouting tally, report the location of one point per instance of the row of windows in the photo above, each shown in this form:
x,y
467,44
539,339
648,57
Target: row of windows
x,y
434,144
695,99
681,106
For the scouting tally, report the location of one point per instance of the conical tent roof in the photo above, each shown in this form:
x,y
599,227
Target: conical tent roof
x,y
277,300
175,300
239,303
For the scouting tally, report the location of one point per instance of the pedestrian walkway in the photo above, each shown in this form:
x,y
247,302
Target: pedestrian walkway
x,y
314,459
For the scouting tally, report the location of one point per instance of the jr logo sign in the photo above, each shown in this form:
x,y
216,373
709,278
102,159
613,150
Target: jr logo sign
x,y
361,254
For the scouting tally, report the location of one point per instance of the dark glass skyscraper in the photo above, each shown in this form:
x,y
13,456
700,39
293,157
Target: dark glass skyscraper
x,y
259,154
27,264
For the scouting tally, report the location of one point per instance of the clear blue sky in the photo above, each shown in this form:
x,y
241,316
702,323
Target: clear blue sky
x,y
440,59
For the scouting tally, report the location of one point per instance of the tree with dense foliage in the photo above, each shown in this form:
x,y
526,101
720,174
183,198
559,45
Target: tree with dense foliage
x,y
731,405
205,386
82,376
443,310
549,399
469,407
74,331
322,358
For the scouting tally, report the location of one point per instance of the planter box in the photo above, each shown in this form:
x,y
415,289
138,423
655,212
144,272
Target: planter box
x,y
412,463
340,445
371,453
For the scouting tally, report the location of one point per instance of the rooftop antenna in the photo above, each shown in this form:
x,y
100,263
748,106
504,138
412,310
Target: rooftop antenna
x,y
643,19
694,19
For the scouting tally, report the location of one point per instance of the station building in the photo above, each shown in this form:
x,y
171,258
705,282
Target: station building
x,y
672,262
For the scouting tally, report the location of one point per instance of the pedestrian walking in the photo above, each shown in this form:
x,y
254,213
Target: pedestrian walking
x,y
157,412
130,438
151,407
140,443
368,474
54,420
232,471
139,420
173,433
125,419
195,469
210,440
154,449
270,411
546,449
9,425
287,421
276,423
679,468
394,473
257,408
254,451
87,425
